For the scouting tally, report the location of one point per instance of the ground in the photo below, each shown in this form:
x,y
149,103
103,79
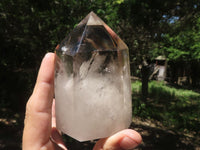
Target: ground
x,y
155,135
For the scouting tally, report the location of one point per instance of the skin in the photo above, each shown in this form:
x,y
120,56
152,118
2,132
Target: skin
x,y
40,131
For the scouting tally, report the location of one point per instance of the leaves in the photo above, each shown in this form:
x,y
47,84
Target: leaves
x,y
28,29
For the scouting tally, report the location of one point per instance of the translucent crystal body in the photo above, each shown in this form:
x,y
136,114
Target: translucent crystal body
x,y
92,82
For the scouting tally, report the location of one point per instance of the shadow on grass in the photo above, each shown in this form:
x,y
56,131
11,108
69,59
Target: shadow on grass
x,y
158,139
177,110
153,137
11,125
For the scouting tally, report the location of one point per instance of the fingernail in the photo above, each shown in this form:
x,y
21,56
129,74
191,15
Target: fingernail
x,y
128,143
47,55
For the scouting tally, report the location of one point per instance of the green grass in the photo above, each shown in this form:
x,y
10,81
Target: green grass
x,y
178,109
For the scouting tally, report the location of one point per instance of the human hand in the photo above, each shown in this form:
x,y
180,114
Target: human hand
x,y
40,131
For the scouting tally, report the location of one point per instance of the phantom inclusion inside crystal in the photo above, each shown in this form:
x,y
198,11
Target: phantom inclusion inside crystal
x,y
92,82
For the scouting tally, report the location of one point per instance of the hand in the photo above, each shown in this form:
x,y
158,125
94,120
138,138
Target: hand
x,y
39,130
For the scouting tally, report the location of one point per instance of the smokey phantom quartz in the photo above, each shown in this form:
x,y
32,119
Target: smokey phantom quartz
x,y
92,82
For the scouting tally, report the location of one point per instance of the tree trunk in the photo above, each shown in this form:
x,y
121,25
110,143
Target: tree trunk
x,y
145,79
195,67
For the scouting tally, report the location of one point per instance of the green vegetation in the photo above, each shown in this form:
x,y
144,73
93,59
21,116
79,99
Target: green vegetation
x,y
176,109
28,29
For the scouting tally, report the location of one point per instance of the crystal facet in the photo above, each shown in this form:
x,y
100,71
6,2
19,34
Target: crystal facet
x,y
92,82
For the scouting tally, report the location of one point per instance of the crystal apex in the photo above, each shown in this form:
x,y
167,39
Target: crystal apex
x,y
91,34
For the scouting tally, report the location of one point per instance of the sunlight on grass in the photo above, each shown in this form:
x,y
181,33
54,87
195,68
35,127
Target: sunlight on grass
x,y
175,108
136,87
162,89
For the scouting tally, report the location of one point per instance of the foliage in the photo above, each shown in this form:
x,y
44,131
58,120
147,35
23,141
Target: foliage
x,y
28,29
183,45
181,42
177,109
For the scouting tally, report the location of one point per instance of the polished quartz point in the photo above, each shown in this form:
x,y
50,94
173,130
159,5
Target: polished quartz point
x,y
92,82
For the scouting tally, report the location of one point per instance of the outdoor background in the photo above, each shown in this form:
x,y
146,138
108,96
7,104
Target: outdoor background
x,y
166,113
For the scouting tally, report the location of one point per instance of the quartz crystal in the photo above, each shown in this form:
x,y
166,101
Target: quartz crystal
x,y
92,82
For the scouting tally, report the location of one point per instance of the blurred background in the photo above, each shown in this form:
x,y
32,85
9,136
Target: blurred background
x,y
164,46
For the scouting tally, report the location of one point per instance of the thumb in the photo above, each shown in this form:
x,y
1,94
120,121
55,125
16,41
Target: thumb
x,y
123,140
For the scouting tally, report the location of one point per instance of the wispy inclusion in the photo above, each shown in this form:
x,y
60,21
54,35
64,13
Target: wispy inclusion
x,y
92,82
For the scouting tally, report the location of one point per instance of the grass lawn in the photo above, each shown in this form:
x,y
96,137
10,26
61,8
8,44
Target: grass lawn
x,y
169,119
177,109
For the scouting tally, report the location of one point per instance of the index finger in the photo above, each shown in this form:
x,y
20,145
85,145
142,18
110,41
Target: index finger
x,y
38,111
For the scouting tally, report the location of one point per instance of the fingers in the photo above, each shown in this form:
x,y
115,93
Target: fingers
x,y
53,120
124,140
37,128
57,138
55,134
43,91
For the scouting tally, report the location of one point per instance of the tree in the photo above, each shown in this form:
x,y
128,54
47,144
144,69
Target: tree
x,y
30,28
149,23
181,45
